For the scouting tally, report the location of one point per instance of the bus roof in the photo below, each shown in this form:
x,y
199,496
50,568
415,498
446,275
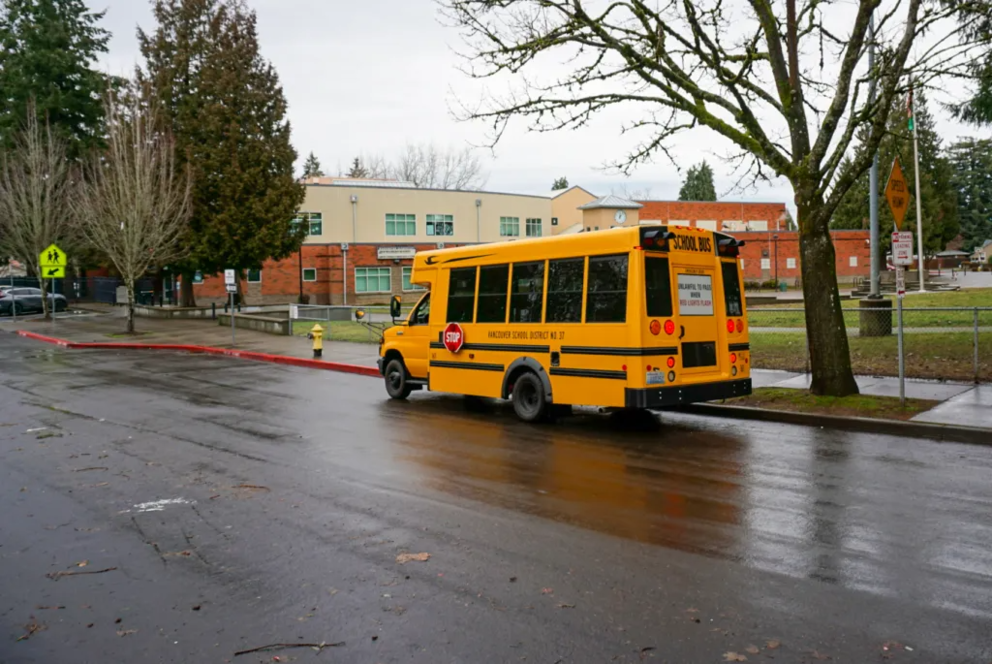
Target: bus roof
x,y
611,240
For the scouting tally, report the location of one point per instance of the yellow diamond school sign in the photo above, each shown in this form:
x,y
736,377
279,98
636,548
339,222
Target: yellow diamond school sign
x,y
897,193
52,263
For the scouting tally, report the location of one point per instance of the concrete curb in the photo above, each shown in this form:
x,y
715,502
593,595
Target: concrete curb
x,y
932,431
210,350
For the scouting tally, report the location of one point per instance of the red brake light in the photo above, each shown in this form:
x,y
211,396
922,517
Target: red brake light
x,y
740,325
655,327
669,327
730,326
671,362
733,358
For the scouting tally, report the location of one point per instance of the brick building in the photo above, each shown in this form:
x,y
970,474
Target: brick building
x,y
363,235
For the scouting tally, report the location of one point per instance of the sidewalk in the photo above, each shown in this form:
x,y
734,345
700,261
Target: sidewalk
x,y
962,404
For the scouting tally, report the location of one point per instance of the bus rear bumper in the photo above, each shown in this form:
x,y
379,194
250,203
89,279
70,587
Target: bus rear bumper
x,y
661,397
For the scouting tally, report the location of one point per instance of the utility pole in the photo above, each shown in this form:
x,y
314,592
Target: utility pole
x,y
873,292
916,170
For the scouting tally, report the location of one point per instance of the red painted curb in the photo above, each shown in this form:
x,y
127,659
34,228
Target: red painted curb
x,y
356,369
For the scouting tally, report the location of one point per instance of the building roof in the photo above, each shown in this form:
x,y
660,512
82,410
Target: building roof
x,y
612,202
360,182
574,186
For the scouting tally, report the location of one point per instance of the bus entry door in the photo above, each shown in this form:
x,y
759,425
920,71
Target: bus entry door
x,y
698,325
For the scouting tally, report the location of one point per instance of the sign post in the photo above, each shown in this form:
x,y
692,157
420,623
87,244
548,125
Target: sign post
x,y
232,288
51,266
902,255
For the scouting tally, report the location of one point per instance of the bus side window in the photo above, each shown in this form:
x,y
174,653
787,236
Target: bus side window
x,y
527,293
493,280
606,298
461,295
565,290
658,287
731,289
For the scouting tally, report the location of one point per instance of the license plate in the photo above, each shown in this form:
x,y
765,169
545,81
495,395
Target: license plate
x,y
656,378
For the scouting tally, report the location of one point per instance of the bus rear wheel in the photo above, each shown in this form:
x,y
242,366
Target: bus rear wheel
x,y
397,386
529,402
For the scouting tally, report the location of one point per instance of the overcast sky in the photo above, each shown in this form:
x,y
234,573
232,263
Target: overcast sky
x,y
371,76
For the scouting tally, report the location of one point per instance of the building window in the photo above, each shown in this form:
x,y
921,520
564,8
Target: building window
x,y
534,228
509,226
766,263
373,280
401,224
790,263
309,274
314,221
440,224
407,285
853,261
254,276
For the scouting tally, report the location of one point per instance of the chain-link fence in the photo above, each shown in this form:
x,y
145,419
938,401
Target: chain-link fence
x,y
940,343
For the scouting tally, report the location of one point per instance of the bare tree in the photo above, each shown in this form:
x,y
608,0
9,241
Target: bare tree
x,y
135,201
36,187
431,167
786,85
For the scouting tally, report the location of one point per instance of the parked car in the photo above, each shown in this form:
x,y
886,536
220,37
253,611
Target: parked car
x,y
28,300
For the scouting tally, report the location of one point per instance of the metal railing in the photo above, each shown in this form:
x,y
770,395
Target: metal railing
x,y
941,343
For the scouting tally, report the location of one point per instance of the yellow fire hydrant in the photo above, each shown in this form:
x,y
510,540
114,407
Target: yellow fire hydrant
x,y
317,334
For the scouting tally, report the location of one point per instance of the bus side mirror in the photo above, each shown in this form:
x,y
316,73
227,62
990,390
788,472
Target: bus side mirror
x,y
394,307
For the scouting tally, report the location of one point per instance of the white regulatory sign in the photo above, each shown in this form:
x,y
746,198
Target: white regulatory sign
x,y
229,277
902,248
232,288
695,294
900,282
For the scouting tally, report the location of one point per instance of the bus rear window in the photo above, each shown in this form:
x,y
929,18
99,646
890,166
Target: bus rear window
x,y
731,289
658,287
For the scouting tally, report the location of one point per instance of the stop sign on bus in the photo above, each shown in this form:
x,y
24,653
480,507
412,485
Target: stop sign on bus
x,y
453,337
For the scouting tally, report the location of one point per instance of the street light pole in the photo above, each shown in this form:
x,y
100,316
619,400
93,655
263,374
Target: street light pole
x,y
873,291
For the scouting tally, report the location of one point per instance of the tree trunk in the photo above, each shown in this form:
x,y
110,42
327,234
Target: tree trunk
x,y
829,354
186,298
44,297
130,306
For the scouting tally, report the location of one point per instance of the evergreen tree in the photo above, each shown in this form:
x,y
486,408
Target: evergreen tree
x,y
357,169
228,112
976,21
311,169
47,50
971,161
698,185
939,198
560,183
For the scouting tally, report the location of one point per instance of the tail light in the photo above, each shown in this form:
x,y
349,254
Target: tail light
x,y
730,326
740,325
733,358
669,327
655,327
671,362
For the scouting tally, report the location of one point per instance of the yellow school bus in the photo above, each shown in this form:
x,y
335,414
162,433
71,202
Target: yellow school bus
x,y
644,317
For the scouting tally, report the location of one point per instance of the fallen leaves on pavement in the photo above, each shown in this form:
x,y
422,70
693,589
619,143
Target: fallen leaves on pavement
x,y
404,558
773,644
31,628
734,657
752,650
125,632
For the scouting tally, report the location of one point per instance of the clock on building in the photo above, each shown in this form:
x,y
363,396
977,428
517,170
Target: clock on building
x,y
620,216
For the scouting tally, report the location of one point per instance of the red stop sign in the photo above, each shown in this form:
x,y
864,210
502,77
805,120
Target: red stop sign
x,y
453,337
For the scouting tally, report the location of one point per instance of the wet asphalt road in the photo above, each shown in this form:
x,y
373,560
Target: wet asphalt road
x,y
243,504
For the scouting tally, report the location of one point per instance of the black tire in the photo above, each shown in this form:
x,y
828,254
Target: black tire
x,y
529,401
397,386
17,309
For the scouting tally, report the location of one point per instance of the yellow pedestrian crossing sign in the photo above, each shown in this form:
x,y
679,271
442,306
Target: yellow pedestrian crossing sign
x,y
52,262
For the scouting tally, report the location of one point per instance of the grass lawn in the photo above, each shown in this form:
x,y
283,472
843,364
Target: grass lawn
x,y
861,405
339,331
773,316
946,356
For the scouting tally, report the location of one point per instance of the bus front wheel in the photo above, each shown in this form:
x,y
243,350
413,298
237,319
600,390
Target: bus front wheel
x,y
397,385
529,402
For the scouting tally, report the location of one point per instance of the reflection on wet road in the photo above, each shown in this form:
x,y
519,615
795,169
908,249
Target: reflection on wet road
x,y
895,517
